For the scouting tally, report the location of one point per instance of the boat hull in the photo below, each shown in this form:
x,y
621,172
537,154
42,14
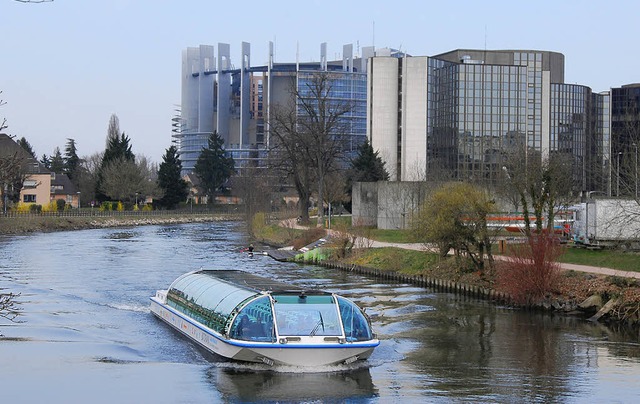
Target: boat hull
x,y
301,353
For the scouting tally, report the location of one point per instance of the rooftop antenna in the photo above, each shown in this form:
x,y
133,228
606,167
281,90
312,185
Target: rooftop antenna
x,y
374,36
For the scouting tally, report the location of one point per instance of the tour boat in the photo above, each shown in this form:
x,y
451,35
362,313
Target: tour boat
x,y
249,318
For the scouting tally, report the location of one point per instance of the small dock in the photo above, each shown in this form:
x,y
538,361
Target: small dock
x,y
281,255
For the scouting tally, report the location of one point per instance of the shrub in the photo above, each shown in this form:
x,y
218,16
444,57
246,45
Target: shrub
x,y
258,223
50,207
308,237
119,206
60,204
35,208
23,207
530,270
147,208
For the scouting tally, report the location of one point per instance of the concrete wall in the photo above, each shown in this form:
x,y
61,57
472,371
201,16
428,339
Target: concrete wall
x,y
387,205
364,204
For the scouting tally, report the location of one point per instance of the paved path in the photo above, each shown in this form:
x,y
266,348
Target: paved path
x,y
363,242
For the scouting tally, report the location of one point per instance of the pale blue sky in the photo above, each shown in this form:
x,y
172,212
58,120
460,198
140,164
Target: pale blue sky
x,y
66,66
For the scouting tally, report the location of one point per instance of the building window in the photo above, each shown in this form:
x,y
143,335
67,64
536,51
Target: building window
x,y
28,198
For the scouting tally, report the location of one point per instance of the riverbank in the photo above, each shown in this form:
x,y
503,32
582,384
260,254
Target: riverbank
x,y
597,293
33,223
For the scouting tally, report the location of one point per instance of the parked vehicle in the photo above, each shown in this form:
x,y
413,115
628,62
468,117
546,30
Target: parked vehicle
x,y
607,223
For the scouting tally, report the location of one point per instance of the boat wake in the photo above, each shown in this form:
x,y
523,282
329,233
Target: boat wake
x,y
242,367
130,307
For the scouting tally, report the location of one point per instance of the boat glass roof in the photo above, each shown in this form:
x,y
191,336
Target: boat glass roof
x,y
208,290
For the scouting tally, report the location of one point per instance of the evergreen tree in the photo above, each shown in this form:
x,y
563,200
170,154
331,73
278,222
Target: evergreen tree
x,y
71,160
366,167
57,162
27,146
213,166
45,161
175,189
117,149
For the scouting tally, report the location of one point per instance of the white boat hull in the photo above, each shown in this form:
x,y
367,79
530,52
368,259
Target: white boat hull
x,y
308,351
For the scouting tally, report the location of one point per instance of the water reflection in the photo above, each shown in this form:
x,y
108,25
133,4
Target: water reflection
x,y
246,383
85,298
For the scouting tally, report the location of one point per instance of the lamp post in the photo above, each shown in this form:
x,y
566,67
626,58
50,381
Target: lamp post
x,y
78,199
635,146
618,176
136,198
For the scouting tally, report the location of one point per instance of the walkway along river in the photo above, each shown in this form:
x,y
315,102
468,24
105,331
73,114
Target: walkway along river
x,y
86,334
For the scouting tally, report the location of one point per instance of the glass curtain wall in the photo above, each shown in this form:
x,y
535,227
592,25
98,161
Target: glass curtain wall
x,y
570,118
480,115
346,91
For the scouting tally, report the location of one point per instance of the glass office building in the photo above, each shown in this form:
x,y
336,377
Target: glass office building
x,y
459,114
236,102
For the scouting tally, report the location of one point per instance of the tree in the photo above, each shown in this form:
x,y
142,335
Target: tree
x,y
311,132
321,120
12,175
543,185
174,188
71,161
285,155
8,306
123,180
57,162
3,123
213,166
117,148
335,189
27,146
87,177
367,166
455,216
45,161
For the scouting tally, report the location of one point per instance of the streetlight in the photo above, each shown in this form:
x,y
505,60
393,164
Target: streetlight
x,y
78,199
635,146
618,176
136,198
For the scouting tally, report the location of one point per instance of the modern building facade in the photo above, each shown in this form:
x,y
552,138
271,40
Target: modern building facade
x,y
625,139
235,101
456,115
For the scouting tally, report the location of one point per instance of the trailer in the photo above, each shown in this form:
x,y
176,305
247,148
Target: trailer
x,y
607,223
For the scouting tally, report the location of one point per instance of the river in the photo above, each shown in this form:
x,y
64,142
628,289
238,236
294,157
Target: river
x,y
85,333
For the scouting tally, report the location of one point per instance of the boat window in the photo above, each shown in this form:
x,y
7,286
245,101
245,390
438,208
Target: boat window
x,y
207,299
309,315
254,322
356,325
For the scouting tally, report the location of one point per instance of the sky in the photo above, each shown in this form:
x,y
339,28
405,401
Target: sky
x,y
66,66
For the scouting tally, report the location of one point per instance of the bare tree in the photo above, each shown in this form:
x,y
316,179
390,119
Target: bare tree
x,y
12,172
313,131
543,185
286,158
255,188
8,306
124,179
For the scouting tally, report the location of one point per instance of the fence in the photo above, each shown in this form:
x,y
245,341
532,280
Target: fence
x,y
90,212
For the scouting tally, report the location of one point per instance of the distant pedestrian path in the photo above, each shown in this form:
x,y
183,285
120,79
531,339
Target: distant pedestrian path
x,y
364,242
